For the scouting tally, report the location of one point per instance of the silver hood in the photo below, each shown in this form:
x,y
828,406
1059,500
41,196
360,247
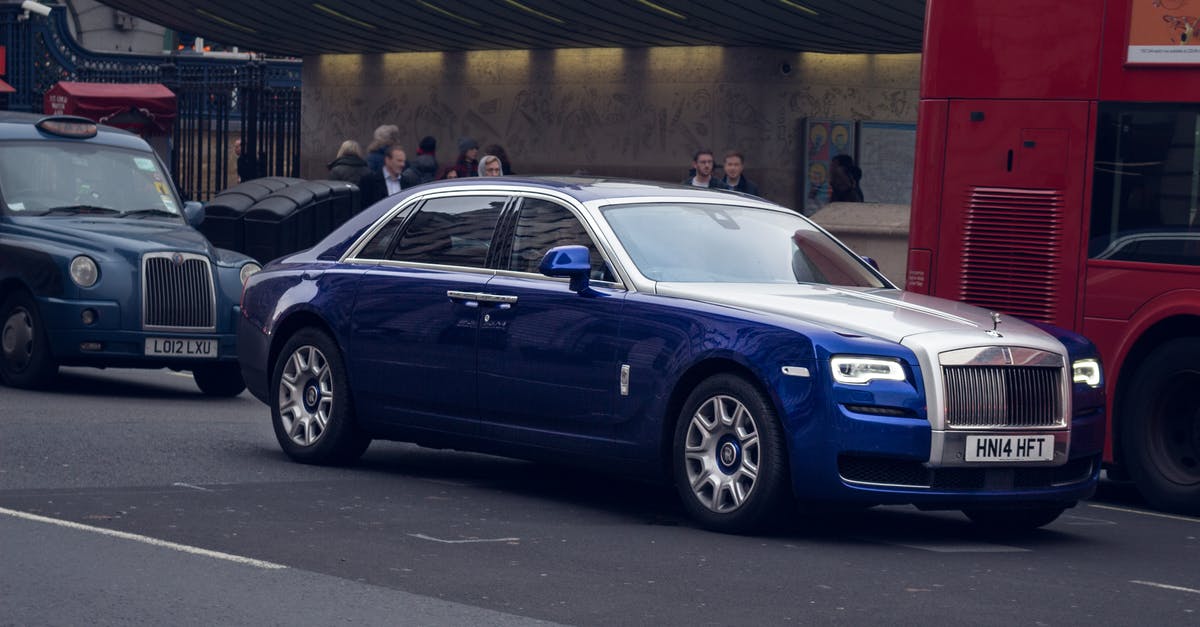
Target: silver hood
x,y
882,313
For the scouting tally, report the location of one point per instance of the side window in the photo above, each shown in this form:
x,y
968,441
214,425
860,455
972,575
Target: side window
x,y
1146,184
378,246
455,231
542,225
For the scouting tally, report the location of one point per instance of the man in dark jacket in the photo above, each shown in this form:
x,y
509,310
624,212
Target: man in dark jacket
x,y
425,166
734,164
393,177
703,162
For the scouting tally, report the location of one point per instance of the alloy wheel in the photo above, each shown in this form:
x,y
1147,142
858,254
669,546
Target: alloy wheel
x,y
722,453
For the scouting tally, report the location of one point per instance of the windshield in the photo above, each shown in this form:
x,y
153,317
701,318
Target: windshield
x,y
681,242
62,177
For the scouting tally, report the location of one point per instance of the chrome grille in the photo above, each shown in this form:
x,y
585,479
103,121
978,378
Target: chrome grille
x,y
1003,396
177,292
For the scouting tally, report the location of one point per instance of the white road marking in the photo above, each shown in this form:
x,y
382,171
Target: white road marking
x,y
188,485
1164,586
467,541
183,548
1145,513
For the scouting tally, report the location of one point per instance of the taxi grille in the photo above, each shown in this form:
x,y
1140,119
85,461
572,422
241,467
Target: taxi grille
x,y
1003,396
177,292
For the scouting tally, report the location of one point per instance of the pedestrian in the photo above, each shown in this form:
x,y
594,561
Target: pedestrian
x,y
385,136
734,179
467,163
246,167
703,162
844,178
498,150
349,164
425,165
393,177
489,165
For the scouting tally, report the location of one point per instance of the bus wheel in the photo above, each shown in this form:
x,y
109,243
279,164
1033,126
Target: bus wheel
x,y
1160,427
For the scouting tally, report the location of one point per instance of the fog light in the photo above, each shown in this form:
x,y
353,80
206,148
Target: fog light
x,y
90,346
89,316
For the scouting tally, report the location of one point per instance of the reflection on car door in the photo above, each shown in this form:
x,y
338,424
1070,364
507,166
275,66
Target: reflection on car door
x,y
548,372
415,319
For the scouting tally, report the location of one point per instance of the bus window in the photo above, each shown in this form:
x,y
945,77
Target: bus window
x,y
1147,184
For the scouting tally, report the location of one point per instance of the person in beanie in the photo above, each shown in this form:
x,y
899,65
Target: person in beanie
x,y
468,158
425,166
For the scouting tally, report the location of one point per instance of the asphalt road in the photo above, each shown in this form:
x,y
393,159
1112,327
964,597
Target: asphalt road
x,y
126,497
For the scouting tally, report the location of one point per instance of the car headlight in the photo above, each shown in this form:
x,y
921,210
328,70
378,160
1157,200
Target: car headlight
x,y
1087,371
248,270
84,271
860,370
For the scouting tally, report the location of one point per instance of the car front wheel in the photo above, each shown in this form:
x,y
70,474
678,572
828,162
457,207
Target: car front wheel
x,y
730,462
25,359
311,408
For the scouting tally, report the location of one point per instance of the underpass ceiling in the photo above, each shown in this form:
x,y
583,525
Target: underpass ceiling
x,y
302,28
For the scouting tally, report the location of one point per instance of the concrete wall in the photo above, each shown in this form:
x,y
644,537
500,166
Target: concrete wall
x,y
613,112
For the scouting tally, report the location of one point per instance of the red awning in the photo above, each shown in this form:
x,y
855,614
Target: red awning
x,y
5,88
145,108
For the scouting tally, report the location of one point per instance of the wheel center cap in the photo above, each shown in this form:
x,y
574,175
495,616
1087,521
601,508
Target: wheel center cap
x,y
728,453
311,395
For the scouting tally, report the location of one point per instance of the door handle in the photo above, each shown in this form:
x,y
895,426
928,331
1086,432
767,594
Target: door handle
x,y
472,299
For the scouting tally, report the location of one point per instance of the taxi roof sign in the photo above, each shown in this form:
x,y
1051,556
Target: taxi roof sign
x,y
67,126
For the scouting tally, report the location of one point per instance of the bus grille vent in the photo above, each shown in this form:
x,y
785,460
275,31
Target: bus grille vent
x,y
1011,260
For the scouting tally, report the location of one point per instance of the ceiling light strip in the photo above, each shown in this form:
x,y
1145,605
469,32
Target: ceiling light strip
x,y
532,11
798,7
229,23
661,9
449,14
341,16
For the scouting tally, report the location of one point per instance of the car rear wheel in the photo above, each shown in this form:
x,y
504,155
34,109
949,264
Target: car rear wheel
x,y
219,379
730,462
1016,520
1160,427
25,359
311,408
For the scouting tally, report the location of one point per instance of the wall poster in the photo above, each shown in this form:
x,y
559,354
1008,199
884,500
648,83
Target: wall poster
x,y
823,139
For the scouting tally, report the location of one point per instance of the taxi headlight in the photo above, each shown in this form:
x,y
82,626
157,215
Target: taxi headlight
x,y
248,270
84,271
861,370
1087,371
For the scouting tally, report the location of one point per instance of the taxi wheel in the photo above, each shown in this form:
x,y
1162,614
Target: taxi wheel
x,y
25,359
311,408
730,462
1014,521
1160,427
219,379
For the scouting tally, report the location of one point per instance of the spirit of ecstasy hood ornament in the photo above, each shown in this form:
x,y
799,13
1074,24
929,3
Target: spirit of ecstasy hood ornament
x,y
995,324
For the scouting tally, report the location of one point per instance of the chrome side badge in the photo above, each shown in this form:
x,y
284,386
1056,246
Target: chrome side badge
x,y
795,371
624,379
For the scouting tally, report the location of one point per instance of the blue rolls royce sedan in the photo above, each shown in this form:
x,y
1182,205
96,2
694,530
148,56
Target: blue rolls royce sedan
x,y
704,338
100,263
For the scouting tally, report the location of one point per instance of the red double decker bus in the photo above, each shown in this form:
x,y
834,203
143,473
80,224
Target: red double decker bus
x,y
1058,179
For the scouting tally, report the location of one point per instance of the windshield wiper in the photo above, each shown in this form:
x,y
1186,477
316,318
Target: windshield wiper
x,y
77,209
150,212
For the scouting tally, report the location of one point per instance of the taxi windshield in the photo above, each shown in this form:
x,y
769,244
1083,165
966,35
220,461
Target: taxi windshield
x,y
63,178
684,242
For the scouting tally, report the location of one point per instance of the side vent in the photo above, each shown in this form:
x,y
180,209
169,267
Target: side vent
x,y
1011,257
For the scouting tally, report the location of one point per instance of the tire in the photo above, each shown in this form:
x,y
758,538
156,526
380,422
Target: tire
x,y
1160,427
311,408
25,357
223,380
1014,521
729,461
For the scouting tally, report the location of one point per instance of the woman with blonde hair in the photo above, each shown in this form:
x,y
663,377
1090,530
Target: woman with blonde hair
x,y
349,164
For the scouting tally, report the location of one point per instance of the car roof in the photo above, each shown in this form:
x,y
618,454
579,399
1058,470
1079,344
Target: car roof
x,y
16,125
586,188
